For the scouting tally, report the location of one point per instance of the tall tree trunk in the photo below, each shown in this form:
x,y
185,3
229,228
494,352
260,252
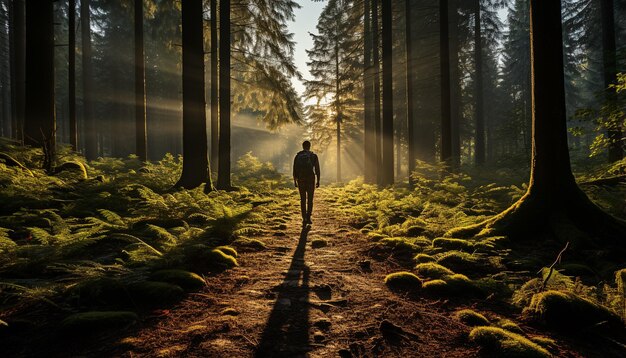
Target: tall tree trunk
x,y
18,76
376,74
214,88
39,121
337,100
141,145
195,156
444,58
455,86
223,166
553,202
610,73
71,73
369,139
478,62
408,41
91,137
387,139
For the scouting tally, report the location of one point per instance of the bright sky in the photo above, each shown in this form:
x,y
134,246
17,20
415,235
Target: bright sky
x,y
306,20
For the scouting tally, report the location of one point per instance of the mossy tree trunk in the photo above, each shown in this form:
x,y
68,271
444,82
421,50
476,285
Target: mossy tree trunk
x,y
18,51
195,156
553,203
40,121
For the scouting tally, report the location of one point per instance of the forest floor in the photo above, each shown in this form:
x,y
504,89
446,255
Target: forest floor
x,y
313,292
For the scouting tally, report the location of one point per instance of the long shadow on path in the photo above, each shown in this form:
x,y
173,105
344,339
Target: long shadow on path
x,y
287,330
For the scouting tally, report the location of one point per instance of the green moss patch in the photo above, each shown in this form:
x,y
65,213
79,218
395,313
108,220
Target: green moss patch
x,y
201,258
185,279
228,251
319,243
432,270
403,282
503,343
397,246
509,326
456,285
452,244
155,294
423,258
569,311
249,245
472,318
97,321
459,261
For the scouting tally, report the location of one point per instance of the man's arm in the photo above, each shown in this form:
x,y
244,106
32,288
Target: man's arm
x,y
317,170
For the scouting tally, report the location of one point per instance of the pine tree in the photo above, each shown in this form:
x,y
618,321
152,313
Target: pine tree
x,y
336,70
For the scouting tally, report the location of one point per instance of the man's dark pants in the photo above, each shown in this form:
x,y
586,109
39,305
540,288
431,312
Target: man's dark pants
x,y
306,187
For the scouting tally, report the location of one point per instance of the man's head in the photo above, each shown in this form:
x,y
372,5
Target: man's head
x,y
306,145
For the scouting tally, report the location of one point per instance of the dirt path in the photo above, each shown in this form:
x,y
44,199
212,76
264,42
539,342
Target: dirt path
x,y
293,300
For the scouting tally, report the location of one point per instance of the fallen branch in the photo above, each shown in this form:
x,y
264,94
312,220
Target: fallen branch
x,y
557,261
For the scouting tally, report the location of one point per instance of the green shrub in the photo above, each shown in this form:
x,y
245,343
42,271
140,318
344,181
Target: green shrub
x,y
403,282
87,323
452,244
200,258
569,311
506,344
471,318
185,279
432,270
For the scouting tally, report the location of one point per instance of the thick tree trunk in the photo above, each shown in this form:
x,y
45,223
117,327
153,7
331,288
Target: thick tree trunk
x,y
195,157
18,80
214,88
554,203
408,42
615,133
478,62
369,140
141,144
455,86
387,124
376,75
39,121
444,58
91,137
223,166
71,55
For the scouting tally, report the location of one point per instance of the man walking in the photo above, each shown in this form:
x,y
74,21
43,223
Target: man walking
x,y
306,167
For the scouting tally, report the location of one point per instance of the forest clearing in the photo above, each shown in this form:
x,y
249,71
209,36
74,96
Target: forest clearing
x,y
337,178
